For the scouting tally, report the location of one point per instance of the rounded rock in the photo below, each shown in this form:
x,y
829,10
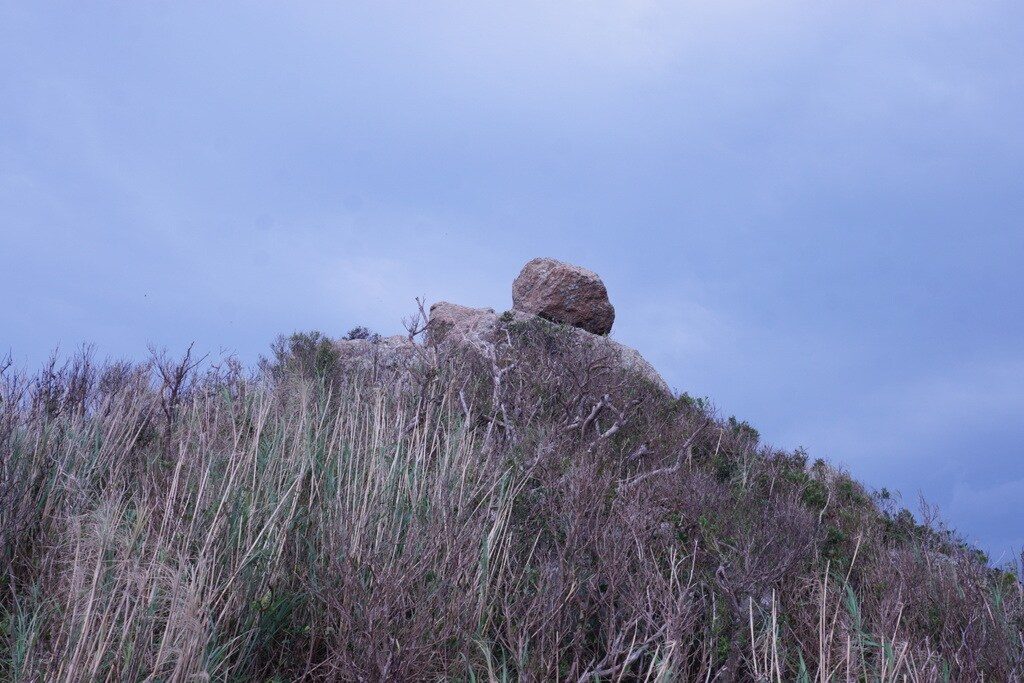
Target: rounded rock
x,y
563,293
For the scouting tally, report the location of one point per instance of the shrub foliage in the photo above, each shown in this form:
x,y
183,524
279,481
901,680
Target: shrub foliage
x,y
526,512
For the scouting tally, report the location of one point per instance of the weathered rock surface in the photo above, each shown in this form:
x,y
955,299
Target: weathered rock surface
x,y
563,293
633,361
455,326
461,324
390,353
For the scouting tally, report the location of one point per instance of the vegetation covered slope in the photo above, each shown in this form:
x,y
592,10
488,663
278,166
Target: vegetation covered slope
x,y
528,512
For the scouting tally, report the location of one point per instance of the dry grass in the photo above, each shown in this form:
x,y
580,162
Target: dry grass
x,y
450,527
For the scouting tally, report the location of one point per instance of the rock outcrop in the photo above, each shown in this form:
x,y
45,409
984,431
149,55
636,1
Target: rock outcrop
x,y
461,324
563,293
584,302
546,316
390,354
631,360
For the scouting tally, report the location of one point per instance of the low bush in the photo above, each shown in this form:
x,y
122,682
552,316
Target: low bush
x,y
524,513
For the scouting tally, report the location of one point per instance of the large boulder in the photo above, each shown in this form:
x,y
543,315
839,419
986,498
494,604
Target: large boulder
x,y
563,293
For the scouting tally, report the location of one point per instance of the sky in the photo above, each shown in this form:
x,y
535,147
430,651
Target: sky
x,y
809,212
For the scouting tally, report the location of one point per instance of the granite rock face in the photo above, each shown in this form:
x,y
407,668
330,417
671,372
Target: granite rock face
x,y
480,329
457,324
630,359
563,293
392,354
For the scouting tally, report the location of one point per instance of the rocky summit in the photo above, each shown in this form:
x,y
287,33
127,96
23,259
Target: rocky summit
x,y
563,306
566,303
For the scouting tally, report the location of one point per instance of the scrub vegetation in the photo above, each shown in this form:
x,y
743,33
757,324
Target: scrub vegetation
x,y
521,514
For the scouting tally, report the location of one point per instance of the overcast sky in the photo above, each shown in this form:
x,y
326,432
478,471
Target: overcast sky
x,y
809,212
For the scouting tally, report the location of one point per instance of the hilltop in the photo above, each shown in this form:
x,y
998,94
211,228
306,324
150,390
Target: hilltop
x,y
490,496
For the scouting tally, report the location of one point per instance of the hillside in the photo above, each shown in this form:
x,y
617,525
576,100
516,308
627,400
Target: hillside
x,y
491,497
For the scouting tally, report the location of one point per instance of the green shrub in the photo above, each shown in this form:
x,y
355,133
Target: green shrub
x,y
310,355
